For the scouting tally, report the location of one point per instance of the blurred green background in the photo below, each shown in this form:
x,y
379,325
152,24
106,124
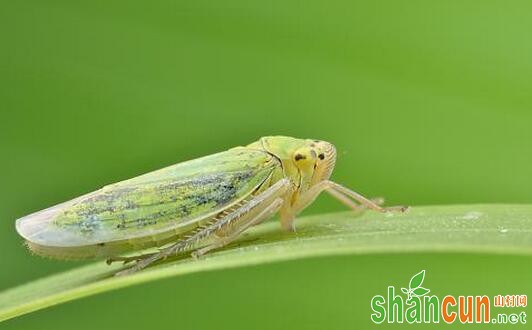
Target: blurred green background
x,y
427,103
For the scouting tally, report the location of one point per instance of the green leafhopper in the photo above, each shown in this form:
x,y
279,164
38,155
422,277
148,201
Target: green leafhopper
x,y
197,205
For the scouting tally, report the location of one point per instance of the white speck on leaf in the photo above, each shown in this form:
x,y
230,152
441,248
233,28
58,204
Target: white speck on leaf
x,y
473,215
502,230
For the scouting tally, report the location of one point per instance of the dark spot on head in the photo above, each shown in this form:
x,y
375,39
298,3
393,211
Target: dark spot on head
x,y
299,157
317,141
101,244
321,156
312,144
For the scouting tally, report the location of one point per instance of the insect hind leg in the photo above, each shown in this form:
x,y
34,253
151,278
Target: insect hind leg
x,y
227,224
244,225
126,260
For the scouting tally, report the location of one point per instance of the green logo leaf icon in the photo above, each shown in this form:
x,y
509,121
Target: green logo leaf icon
x,y
414,287
420,292
417,280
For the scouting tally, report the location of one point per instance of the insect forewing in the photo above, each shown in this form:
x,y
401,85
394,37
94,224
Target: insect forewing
x,y
159,201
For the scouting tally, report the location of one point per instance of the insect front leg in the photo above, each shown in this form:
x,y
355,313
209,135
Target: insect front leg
x,y
341,193
351,204
335,189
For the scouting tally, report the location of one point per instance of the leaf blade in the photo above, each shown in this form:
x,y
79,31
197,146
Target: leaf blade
x,y
501,229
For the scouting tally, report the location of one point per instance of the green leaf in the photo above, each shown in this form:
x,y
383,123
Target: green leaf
x,y
404,290
417,280
498,229
421,291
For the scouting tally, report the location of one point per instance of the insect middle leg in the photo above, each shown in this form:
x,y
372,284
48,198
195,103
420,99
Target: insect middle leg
x,y
251,212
